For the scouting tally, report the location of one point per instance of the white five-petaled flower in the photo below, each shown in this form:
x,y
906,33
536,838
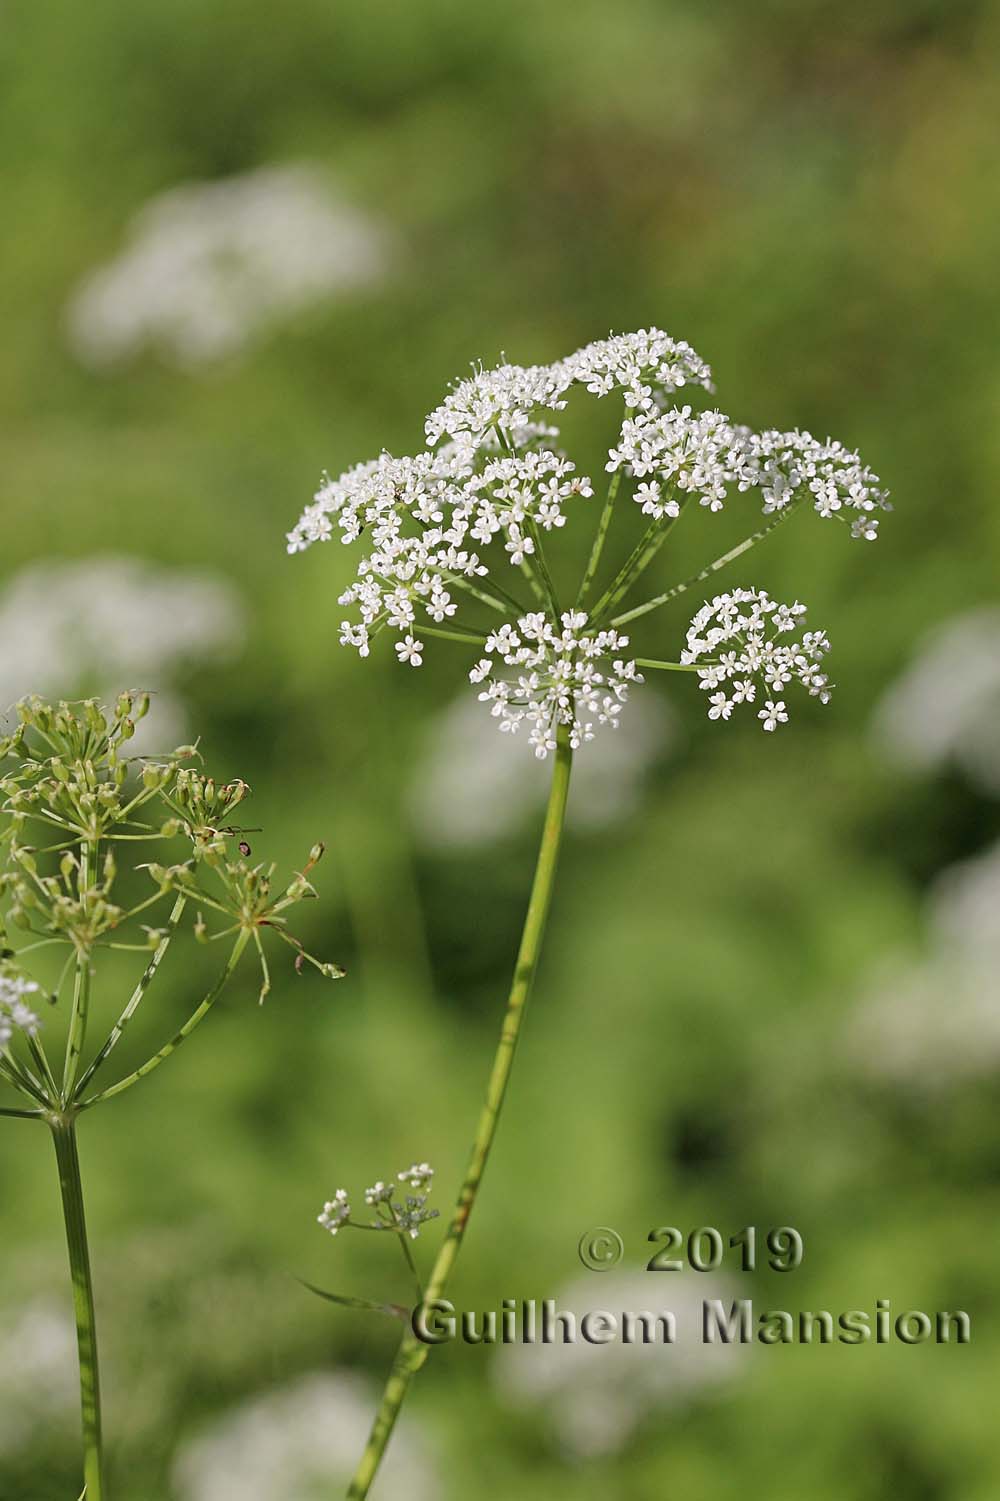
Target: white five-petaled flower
x,y
741,633
773,714
410,650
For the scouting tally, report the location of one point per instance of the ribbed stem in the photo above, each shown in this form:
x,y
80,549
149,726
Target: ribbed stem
x,y
68,1162
412,1352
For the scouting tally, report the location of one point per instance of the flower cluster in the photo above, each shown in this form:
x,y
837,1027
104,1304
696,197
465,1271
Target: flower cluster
x,y
647,367
570,676
443,529
394,1210
74,808
14,1011
740,632
706,455
207,268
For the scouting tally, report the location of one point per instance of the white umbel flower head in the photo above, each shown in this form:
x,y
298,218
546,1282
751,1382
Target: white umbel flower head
x,y
571,676
466,527
706,455
403,1213
741,632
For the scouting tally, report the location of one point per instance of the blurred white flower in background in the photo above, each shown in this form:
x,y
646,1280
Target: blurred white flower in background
x,y
595,1396
965,902
96,625
298,1443
934,1023
37,1372
209,266
945,707
472,786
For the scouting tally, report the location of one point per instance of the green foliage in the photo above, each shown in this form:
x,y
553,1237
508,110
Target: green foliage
x,y
808,196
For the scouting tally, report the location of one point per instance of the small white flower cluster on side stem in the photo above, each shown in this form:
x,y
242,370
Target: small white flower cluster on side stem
x,y
404,1213
740,631
570,676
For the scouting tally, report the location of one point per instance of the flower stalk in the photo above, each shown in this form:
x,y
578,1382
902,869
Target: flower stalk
x,y
71,772
412,1352
491,492
63,1127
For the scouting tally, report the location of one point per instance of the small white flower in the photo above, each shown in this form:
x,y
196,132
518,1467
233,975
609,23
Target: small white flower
x,y
569,677
336,1212
379,1193
773,714
15,1014
410,650
419,1176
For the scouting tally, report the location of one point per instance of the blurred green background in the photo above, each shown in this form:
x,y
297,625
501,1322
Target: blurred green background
x,y
808,194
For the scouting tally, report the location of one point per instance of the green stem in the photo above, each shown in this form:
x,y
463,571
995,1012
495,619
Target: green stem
x,y
698,578
538,556
593,562
81,987
673,666
68,1162
498,599
22,1077
420,628
137,994
185,1031
412,1352
637,562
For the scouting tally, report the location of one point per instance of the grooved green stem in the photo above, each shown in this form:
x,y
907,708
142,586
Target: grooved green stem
x,y
412,1353
196,1016
155,961
68,1161
81,987
713,567
593,562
